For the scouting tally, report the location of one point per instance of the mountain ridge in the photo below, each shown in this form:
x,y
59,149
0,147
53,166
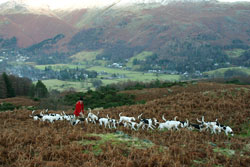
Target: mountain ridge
x,y
188,36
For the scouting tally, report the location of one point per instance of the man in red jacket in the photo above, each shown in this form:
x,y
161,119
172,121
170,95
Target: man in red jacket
x,y
79,110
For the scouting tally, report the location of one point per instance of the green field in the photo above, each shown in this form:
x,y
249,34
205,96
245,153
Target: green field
x,y
59,66
66,85
220,72
85,56
135,75
235,53
140,56
83,86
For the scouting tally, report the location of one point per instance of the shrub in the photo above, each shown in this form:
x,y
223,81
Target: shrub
x,y
6,106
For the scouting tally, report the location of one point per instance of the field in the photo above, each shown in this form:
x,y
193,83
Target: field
x,y
235,53
25,142
66,85
129,75
135,75
220,72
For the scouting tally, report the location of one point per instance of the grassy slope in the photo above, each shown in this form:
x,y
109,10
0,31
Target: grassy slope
x,y
85,56
221,71
235,53
65,85
141,56
60,144
59,66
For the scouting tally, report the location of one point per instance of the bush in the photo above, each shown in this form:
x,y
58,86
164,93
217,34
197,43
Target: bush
x,y
6,106
105,97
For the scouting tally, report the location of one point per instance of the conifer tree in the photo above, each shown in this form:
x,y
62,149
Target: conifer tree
x,y
41,91
10,92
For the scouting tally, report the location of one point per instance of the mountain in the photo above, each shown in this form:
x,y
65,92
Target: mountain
x,y
29,25
187,35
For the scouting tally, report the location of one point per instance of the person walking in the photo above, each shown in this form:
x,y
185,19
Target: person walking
x,y
79,109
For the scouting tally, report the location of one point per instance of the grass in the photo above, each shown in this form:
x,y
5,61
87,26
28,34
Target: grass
x,y
58,67
221,71
141,56
83,86
134,75
85,56
115,139
225,151
245,132
66,85
235,53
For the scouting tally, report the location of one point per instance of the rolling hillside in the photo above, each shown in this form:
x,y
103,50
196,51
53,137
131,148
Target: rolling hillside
x,y
183,36
25,141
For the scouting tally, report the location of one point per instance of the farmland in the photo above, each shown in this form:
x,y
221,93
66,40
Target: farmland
x,y
105,78
25,142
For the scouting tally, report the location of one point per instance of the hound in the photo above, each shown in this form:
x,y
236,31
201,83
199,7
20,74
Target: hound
x,y
214,128
133,125
226,129
37,116
92,117
145,122
76,121
105,121
126,119
112,122
169,124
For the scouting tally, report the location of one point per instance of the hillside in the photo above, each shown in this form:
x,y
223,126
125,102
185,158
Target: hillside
x,y
25,141
176,37
30,26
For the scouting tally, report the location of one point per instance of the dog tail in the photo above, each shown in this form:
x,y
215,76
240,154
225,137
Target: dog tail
x,y
97,113
163,118
139,116
107,116
120,114
198,120
202,118
33,112
175,118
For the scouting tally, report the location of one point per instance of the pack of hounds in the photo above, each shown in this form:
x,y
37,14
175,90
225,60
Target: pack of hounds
x,y
135,124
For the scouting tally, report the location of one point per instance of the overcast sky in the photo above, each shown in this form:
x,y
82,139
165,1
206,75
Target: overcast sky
x,y
54,4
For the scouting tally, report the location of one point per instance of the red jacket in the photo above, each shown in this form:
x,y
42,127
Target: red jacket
x,y
79,108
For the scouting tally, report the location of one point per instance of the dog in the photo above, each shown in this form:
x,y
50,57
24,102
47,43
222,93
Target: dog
x,y
214,128
126,119
145,122
92,117
226,129
105,121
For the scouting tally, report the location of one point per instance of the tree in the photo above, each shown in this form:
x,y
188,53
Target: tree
x,y
2,88
9,89
41,91
96,83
